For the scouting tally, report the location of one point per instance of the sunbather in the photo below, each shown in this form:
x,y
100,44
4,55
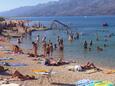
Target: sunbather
x,y
16,49
53,62
18,76
86,67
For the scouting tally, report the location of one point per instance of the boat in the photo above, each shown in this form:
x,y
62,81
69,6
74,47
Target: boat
x,y
105,25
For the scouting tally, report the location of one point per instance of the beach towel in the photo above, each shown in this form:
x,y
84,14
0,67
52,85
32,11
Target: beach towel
x,y
103,83
16,64
110,72
11,84
84,82
91,71
6,51
12,64
39,70
42,73
87,82
2,63
5,58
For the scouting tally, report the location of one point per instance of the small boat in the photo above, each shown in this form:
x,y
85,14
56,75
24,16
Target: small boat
x,y
105,25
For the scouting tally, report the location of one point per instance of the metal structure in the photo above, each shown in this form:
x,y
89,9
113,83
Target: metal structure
x,y
57,25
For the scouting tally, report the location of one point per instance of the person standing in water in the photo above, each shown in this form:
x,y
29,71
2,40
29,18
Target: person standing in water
x,y
77,35
85,45
97,37
35,49
91,43
38,38
61,51
44,45
58,40
51,48
19,41
44,39
48,50
55,46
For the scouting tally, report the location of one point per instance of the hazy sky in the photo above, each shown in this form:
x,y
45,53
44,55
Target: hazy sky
x,y
10,4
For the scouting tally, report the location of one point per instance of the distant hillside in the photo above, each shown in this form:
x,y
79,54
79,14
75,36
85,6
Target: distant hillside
x,y
66,8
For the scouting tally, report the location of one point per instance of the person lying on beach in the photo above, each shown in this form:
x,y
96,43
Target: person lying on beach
x,y
18,76
53,62
16,49
32,55
85,67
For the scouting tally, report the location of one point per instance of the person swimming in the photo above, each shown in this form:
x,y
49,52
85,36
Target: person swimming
x,y
99,48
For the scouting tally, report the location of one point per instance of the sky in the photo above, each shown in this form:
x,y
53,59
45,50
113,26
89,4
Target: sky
x,y
6,5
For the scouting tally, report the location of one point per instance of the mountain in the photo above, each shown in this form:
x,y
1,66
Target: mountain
x,y
65,8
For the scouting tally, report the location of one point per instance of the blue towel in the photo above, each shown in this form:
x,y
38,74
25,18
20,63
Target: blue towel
x,y
5,58
16,64
12,64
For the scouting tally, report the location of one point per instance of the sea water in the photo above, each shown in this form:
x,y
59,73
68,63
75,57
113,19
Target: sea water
x,y
88,26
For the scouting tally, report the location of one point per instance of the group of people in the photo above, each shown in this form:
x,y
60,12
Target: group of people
x,y
74,36
13,23
47,47
86,46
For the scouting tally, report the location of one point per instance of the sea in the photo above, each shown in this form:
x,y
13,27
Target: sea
x,y
88,27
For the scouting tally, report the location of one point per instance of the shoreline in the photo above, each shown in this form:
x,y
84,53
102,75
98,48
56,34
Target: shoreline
x,y
80,61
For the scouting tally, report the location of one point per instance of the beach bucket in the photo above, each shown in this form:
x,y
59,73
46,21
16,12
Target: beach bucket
x,y
103,83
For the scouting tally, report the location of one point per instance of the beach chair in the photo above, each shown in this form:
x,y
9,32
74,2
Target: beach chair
x,y
46,75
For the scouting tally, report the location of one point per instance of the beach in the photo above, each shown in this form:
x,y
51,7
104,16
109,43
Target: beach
x,y
74,52
63,76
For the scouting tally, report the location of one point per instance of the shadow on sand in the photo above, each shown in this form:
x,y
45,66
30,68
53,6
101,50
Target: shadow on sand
x,y
62,84
5,73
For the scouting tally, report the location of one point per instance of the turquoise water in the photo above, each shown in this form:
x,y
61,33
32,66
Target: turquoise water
x,y
89,26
